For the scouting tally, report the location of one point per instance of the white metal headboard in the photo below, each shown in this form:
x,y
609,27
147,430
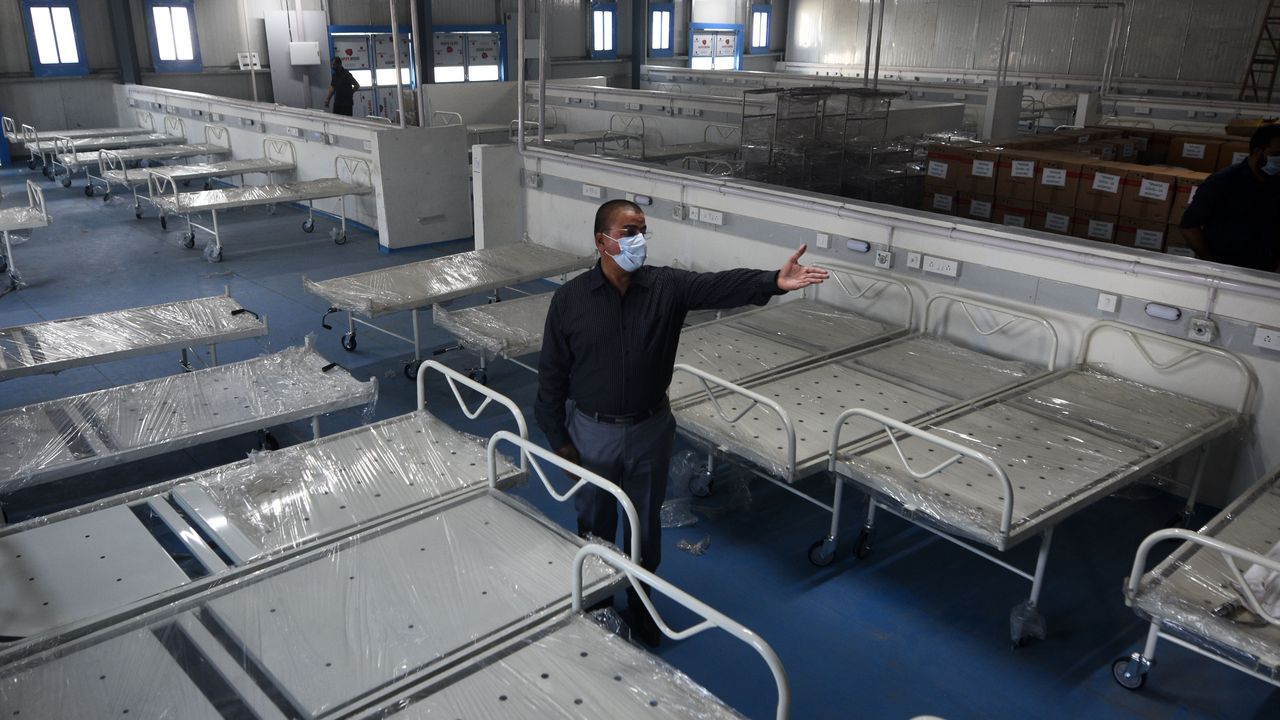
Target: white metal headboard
x,y
356,170
174,126
145,120
446,117
280,150
217,135
846,279
1014,315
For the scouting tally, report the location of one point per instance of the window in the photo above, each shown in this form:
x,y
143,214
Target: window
x,y
660,29
53,38
760,28
714,47
604,28
469,53
174,47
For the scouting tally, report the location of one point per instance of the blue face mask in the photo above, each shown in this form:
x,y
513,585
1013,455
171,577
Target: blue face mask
x,y
1272,165
631,251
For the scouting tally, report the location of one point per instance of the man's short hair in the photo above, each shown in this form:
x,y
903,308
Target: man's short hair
x,y
1263,136
604,215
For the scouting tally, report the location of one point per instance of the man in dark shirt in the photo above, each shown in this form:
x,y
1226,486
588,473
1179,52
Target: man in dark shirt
x,y
609,347
342,89
1234,217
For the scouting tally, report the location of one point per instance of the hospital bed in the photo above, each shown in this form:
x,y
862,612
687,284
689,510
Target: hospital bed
x,y
28,135
278,157
505,330
70,155
1011,467
421,284
34,215
476,132
351,176
717,141
66,437
197,529
57,345
217,143
1201,597
363,626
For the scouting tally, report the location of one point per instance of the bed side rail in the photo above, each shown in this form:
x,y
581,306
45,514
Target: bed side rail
x,y
710,617
1192,351
872,287
35,199
1230,554
708,166
456,379
145,119
968,304
29,134
960,452
353,169
534,455
280,150
63,145
627,124
446,117
8,127
708,380
110,160
722,134
173,125
217,135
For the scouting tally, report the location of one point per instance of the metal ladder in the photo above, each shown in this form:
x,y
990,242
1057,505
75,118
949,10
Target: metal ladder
x,y
1260,75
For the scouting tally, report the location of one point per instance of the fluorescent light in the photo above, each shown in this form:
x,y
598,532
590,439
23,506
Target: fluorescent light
x,y
1163,312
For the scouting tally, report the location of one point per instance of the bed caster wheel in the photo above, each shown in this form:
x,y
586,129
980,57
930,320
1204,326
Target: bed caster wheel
x,y
339,237
66,183
479,376
862,547
820,554
271,209
216,257
349,342
164,223
308,225
1128,671
188,240
411,370
31,163
137,211
267,441
700,484
208,185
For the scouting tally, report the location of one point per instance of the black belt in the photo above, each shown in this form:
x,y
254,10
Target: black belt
x,y
628,419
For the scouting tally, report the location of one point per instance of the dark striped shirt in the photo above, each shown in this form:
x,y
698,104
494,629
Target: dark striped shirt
x,y
614,353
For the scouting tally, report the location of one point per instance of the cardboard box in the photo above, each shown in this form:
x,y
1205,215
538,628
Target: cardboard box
x,y
1145,234
1101,151
940,201
1057,178
1184,193
1014,212
977,207
1232,152
1126,149
1101,187
1053,218
1175,242
1148,193
942,167
1195,153
982,165
1094,226
1016,174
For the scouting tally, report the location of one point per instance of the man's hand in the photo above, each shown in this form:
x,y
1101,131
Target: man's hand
x,y
794,276
570,453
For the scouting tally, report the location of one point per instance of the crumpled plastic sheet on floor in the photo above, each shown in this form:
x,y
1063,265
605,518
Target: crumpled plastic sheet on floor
x,y
698,547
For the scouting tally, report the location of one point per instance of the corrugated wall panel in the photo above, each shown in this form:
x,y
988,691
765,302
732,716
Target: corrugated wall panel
x,y
465,12
990,31
13,39
1152,54
840,33
99,46
1218,47
568,20
954,35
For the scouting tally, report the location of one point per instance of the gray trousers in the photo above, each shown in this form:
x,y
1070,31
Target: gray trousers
x,y
634,457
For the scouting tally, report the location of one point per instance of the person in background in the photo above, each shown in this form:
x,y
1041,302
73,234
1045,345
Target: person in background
x,y
342,89
1234,217
608,348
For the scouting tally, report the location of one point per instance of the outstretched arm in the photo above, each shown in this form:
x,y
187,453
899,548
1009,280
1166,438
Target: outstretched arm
x,y
794,276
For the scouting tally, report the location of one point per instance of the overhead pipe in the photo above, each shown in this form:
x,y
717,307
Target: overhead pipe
x,y
395,50
416,38
866,55
879,44
520,52
542,71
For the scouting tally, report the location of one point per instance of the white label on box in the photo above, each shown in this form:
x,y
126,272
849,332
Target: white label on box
x,y
1054,177
1106,182
978,208
984,168
1195,151
1015,221
1101,230
1057,222
942,202
1239,157
937,170
1153,190
1149,239
1023,169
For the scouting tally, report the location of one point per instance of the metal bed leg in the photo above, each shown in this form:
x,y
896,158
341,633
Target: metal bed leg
x,y
340,236
186,362
1026,622
189,240
1190,508
213,356
411,368
315,427
216,255
349,340
700,485
8,264
1131,671
823,552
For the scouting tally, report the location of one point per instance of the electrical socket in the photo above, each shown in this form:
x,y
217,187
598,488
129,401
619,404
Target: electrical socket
x,y
913,260
941,266
678,212
1107,302
1267,338
591,191
1202,329
694,213
711,217
884,259
532,179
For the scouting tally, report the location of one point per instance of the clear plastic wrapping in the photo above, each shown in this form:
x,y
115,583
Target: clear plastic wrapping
x,y
68,436
60,344
161,152
249,195
179,173
505,329
94,144
1193,594
419,284
22,218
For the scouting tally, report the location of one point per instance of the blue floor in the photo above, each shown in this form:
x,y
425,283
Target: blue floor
x,y
918,627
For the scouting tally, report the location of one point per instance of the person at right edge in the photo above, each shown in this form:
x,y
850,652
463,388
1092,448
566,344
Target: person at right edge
x,y
607,356
1234,217
342,89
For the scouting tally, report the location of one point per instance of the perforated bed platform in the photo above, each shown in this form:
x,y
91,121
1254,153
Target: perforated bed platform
x,y
251,195
22,218
92,145
66,437
60,344
201,171
504,329
132,153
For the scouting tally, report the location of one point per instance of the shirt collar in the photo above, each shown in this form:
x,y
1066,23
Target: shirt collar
x,y
642,277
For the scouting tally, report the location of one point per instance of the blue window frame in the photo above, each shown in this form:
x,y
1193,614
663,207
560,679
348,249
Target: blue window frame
x,y
175,46
54,40
604,31
662,29
761,16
